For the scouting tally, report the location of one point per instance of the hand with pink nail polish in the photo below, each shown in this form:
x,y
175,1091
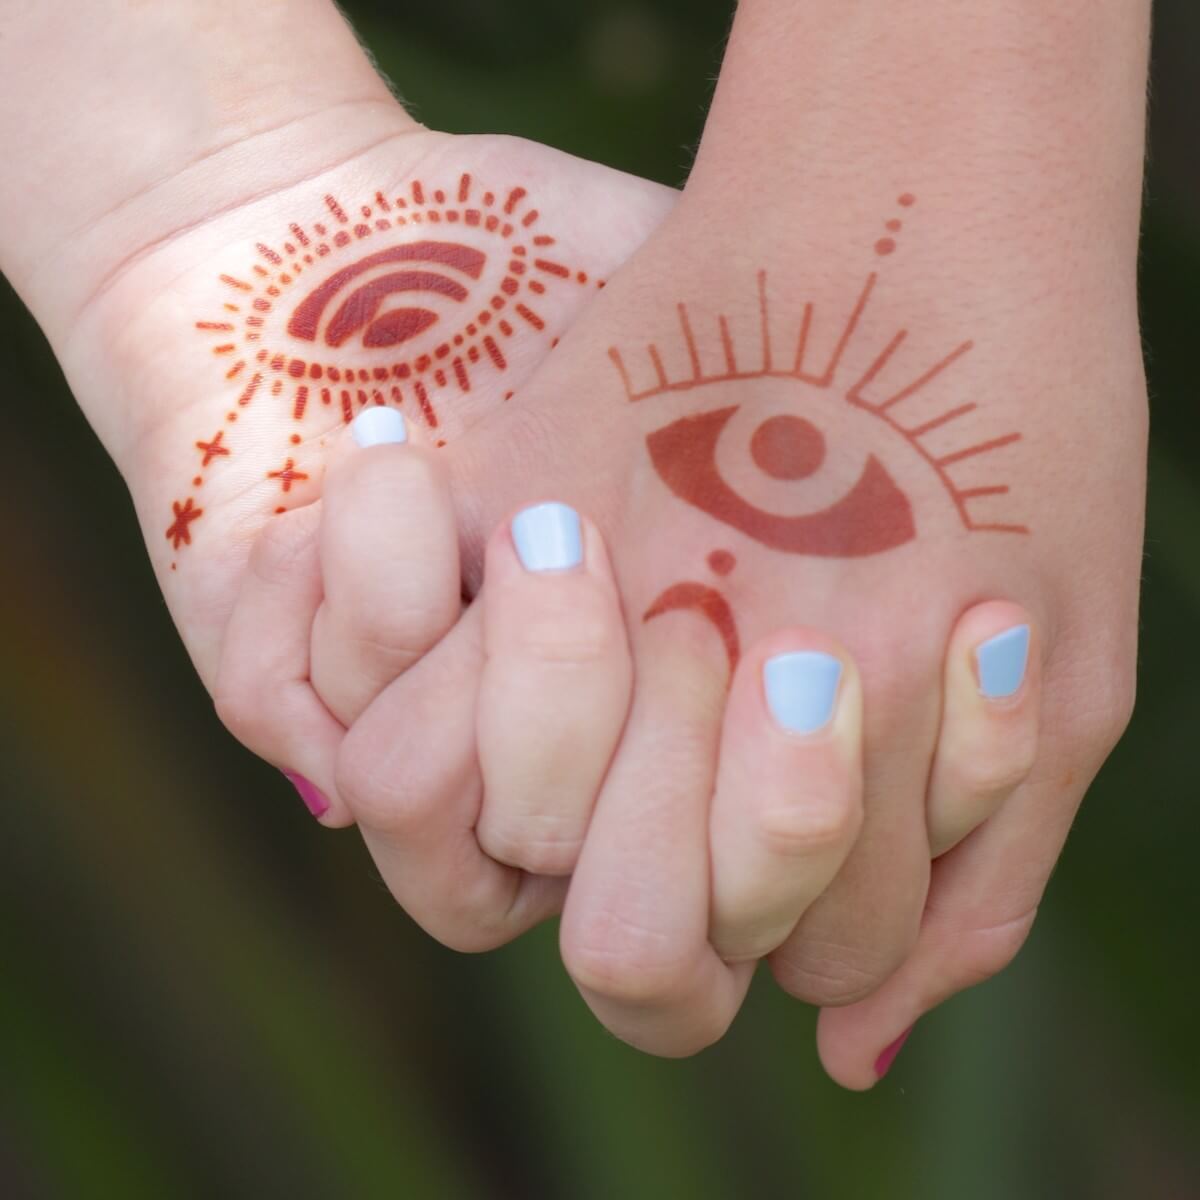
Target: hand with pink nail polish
x,y
798,698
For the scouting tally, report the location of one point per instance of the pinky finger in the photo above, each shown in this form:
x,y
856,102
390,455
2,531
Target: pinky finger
x,y
989,735
262,691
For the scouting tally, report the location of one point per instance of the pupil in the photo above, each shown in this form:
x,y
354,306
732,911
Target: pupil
x,y
788,448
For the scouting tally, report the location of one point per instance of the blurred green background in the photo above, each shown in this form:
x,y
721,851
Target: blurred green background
x,y
203,994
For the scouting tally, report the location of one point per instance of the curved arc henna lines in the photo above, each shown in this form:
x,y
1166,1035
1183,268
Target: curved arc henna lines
x,y
873,516
276,338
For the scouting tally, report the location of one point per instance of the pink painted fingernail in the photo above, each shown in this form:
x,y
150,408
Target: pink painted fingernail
x,y
314,801
883,1064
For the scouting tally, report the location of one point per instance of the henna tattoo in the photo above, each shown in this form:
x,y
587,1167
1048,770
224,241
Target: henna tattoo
x,y
449,280
873,513
873,516
709,603
180,533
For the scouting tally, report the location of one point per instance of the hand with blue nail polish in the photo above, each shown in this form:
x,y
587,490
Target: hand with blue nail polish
x,y
781,721
783,421
222,328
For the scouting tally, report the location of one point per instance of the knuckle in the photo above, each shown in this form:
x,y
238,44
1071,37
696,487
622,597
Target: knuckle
x,y
806,830
697,1036
466,933
520,844
392,802
623,962
830,976
575,627
984,953
398,631
740,943
991,776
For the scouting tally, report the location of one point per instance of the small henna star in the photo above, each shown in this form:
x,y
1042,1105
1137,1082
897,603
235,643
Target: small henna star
x,y
179,533
288,475
212,449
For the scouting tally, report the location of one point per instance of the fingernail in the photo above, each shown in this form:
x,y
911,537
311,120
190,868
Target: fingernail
x,y
379,426
548,537
802,689
883,1064
1002,661
314,801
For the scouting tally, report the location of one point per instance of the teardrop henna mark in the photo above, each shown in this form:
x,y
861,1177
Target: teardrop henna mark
x,y
407,324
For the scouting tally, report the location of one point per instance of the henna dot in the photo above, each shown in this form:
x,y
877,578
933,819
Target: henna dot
x,y
279,510
582,277
722,562
907,200
197,481
895,226
295,439
231,416
787,448
884,246
440,443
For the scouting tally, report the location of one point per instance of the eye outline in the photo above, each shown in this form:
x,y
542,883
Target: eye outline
x,y
871,517
506,223
854,395
255,371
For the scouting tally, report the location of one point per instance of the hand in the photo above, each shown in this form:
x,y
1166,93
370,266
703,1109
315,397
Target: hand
x,y
226,435
938,473
472,762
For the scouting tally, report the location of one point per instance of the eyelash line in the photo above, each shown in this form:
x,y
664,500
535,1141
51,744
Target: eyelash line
x,y
766,369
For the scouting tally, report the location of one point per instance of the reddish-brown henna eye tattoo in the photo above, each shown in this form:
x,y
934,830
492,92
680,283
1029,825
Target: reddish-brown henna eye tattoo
x,y
871,515
402,301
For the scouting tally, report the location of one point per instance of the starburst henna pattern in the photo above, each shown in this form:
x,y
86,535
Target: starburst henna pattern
x,y
400,301
867,510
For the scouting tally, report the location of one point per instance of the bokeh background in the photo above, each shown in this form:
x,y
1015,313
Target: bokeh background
x,y
203,994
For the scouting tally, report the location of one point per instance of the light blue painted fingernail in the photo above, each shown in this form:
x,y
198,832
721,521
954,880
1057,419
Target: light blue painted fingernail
x,y
1002,662
379,426
548,537
802,689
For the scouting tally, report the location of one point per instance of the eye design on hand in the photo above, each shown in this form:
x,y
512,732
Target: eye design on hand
x,y
871,511
873,516
359,312
404,299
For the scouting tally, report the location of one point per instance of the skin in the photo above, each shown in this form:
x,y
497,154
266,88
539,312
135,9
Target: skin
x,y
1010,251
116,272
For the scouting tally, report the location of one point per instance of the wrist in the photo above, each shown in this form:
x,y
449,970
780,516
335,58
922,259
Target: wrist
x,y
1015,107
122,124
